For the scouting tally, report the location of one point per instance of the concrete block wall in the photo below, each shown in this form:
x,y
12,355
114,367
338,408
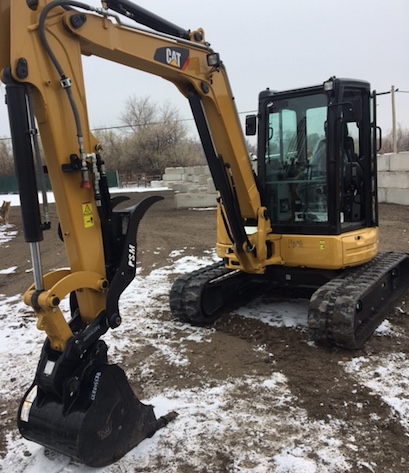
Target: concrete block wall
x,y
193,186
393,178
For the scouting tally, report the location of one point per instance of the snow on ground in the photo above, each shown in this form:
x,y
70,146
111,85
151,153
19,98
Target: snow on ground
x,y
14,199
277,313
379,375
207,414
6,233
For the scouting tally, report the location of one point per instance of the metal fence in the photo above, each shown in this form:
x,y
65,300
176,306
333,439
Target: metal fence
x,y
8,184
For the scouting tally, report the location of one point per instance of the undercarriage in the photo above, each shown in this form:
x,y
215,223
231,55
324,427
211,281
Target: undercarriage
x,y
345,307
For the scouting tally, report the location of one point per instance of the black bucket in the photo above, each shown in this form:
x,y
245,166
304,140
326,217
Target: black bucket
x,y
96,422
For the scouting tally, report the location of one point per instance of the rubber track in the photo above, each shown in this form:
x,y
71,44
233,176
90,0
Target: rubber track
x,y
186,292
190,291
336,313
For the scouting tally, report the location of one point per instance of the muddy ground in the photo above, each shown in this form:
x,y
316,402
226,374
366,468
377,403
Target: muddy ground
x,y
315,376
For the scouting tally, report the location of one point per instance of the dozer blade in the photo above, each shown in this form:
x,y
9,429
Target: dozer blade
x,y
97,420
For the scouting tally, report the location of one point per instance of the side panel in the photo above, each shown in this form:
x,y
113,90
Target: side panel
x,y
328,251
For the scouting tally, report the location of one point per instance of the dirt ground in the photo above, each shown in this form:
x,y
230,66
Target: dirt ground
x,y
315,377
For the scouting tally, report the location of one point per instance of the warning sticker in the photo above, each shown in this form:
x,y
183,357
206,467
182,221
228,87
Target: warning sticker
x,y
88,215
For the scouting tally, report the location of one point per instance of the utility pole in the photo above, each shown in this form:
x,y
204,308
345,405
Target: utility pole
x,y
394,137
394,131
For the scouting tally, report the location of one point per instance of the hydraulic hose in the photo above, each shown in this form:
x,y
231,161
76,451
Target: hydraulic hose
x,y
64,80
54,60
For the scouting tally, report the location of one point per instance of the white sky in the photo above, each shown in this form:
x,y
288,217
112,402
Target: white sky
x,y
270,43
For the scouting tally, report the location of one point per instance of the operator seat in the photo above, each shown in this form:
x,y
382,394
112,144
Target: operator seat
x,y
350,149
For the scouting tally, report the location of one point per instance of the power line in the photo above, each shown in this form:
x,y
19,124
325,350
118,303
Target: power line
x,y
121,127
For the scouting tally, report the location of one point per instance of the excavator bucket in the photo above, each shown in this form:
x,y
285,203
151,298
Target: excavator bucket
x,y
97,420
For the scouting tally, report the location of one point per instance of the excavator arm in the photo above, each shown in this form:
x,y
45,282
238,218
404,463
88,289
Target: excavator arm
x,y
78,403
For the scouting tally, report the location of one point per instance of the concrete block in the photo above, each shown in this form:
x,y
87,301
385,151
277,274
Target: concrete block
x,y
175,170
382,177
399,162
393,180
172,177
158,184
202,180
397,196
211,189
178,187
186,201
189,170
207,171
381,194
383,162
197,170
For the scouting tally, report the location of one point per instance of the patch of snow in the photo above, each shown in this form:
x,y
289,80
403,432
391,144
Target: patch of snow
x,y
14,199
277,313
10,270
203,209
6,234
387,329
388,377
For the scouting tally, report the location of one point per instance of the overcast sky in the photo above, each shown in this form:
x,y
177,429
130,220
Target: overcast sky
x,y
280,44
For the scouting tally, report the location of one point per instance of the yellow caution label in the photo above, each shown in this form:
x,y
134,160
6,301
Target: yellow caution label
x,y
88,215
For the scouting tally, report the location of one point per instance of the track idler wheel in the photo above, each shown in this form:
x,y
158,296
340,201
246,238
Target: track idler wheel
x,y
97,420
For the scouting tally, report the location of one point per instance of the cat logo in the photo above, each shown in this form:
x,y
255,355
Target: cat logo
x,y
175,57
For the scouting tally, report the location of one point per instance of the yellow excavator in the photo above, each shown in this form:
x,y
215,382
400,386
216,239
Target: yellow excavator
x,y
307,219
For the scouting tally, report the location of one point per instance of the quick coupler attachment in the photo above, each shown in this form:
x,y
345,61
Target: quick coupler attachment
x,y
97,420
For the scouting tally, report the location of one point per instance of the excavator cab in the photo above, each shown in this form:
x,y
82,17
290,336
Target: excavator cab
x,y
317,158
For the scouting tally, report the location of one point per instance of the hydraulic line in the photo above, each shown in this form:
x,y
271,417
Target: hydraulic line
x,y
66,81
147,18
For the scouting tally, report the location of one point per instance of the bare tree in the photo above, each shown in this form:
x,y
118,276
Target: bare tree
x,y
402,138
139,113
113,149
158,139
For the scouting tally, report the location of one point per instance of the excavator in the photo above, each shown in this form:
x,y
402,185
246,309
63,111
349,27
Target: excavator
x,y
307,218
315,232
